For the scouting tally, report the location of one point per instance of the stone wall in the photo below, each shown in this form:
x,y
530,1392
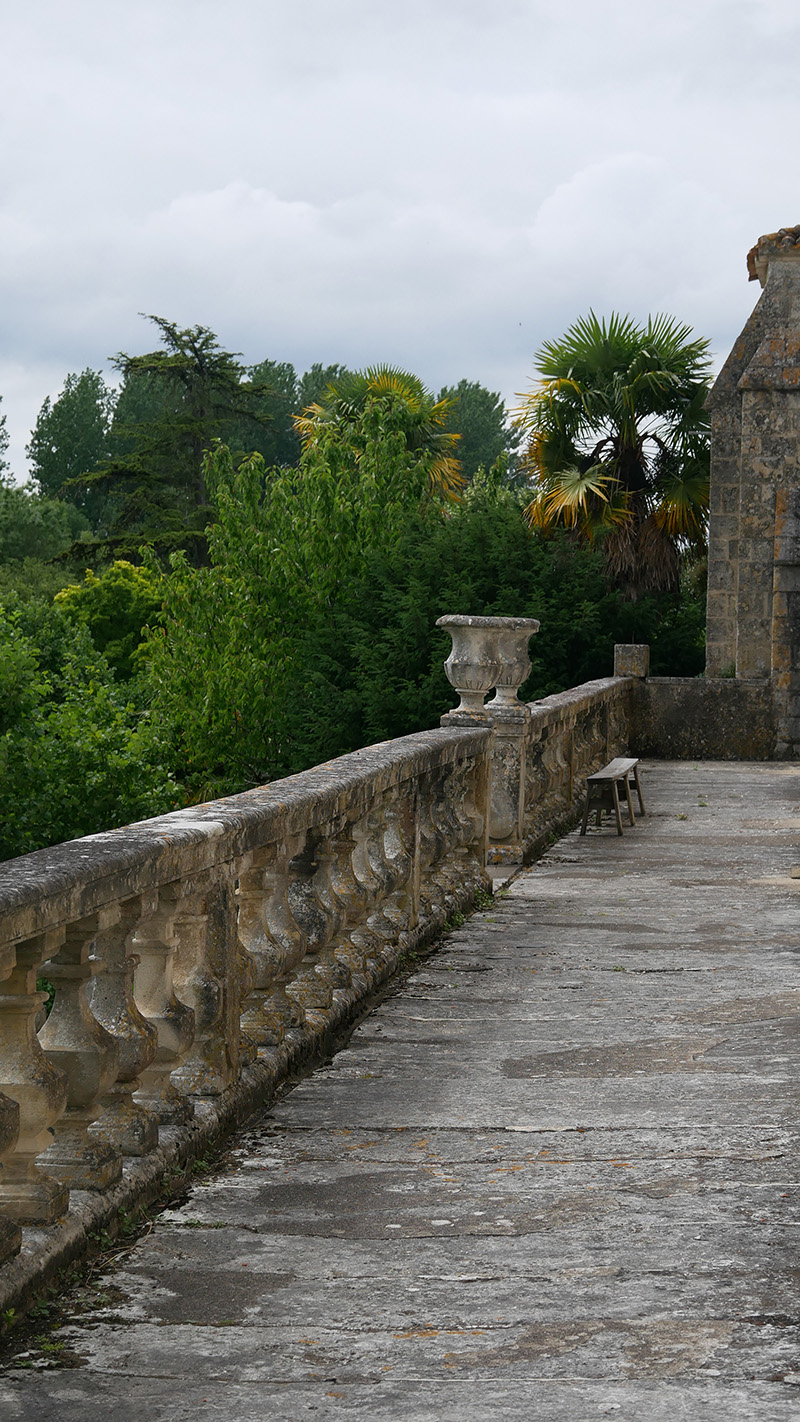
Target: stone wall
x,y
702,718
753,613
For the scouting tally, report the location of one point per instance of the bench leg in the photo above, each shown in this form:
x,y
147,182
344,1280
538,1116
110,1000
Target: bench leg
x,y
638,789
629,800
586,815
617,810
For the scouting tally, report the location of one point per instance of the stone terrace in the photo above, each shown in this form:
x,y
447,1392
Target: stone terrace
x,y
551,1176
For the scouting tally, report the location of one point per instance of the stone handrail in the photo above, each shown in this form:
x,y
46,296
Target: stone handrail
x,y
194,958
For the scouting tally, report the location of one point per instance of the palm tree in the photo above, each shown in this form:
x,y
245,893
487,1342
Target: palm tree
x,y
618,444
406,406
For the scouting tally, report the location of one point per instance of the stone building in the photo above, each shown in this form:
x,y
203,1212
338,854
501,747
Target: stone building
x,y
753,621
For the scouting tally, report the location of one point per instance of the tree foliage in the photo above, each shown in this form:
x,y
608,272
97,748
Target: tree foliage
x,y
4,440
478,416
276,403
233,668
618,443
312,385
308,629
115,607
36,527
71,437
174,403
335,419
312,631
77,755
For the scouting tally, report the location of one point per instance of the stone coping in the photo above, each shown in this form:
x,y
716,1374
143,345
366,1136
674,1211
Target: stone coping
x,y
578,698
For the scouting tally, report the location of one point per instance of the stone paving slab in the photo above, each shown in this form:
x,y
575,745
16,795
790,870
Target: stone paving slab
x,y
555,1176
73,1398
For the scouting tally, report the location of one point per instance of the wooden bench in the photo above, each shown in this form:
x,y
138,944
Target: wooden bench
x,y
602,791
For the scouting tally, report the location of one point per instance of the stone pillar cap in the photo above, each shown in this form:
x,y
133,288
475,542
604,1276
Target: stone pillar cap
x,y
783,244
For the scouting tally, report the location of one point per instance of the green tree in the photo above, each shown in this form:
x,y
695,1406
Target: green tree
x,y
144,399
277,402
409,410
32,579
280,396
4,438
383,654
70,437
618,444
116,607
235,666
478,417
176,401
312,385
35,527
77,753
312,631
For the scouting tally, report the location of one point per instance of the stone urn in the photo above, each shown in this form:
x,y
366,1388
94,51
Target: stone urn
x,y
512,641
487,652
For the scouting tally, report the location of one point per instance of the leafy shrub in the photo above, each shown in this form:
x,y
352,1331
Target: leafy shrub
x,y
77,754
115,607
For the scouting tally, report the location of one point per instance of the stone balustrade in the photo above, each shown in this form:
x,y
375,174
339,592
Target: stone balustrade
x,y
193,959
158,981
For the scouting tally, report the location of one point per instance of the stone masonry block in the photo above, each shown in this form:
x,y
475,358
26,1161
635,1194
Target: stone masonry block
x,y
631,659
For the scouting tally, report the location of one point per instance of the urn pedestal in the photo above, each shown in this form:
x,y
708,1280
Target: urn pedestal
x,y
492,653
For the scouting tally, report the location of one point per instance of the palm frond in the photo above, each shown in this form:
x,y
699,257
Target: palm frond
x,y
617,437
415,413
565,497
682,507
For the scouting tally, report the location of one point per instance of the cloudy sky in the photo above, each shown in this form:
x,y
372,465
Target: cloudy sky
x,y
442,184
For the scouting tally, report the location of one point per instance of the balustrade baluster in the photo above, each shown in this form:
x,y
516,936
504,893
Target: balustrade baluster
x,y
207,978
153,942
275,945
27,1192
597,751
10,1236
125,1123
246,973
553,766
535,779
74,1041
445,871
465,788
353,946
378,876
311,988
431,841
332,967
369,934
616,728
398,851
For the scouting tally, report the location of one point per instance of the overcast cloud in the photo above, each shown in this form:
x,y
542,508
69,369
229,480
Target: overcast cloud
x,y
437,183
